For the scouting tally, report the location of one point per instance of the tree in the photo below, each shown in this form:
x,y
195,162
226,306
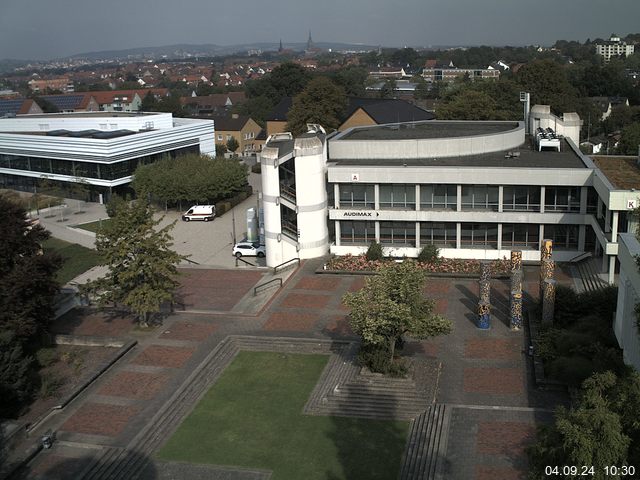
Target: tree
x,y
142,267
232,144
590,434
548,84
27,276
630,140
391,305
149,103
388,89
352,79
468,105
15,375
322,101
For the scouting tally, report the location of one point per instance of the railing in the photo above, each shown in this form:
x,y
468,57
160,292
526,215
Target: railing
x,y
244,261
267,284
285,265
579,258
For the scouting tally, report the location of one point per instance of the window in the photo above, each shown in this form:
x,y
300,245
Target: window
x,y
520,236
479,235
440,197
228,137
356,195
357,233
521,198
479,197
398,196
440,234
562,199
401,234
565,237
219,137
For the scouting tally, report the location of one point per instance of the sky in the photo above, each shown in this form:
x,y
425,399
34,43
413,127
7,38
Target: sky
x,y
45,29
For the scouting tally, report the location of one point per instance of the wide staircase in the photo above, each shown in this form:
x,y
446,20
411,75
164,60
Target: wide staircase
x,y
427,445
588,269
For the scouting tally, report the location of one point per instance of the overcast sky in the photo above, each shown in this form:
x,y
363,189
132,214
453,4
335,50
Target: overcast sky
x,y
43,29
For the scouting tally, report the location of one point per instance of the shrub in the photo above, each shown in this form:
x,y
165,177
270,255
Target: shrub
x,y
47,356
256,168
376,359
49,385
429,254
374,252
571,370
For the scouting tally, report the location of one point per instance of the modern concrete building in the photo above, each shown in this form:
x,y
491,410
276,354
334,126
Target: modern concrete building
x,y
450,74
102,150
625,324
473,189
614,47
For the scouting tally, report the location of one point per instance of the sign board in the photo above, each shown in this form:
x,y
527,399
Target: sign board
x,y
363,214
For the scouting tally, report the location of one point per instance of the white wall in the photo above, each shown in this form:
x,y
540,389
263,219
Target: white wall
x,y
628,295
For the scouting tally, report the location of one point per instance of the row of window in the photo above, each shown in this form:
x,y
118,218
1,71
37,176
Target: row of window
x,y
103,171
472,235
474,197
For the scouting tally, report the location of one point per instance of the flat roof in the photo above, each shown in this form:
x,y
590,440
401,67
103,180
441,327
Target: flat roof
x,y
622,171
87,114
428,129
528,157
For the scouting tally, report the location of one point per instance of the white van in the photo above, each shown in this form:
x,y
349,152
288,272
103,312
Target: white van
x,y
200,212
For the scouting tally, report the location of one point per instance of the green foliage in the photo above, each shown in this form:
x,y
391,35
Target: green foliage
x,y
50,383
232,144
114,203
322,102
601,430
548,84
630,141
190,178
429,254
15,369
142,267
388,89
391,304
352,79
375,252
581,341
481,100
149,103
46,356
27,278
376,359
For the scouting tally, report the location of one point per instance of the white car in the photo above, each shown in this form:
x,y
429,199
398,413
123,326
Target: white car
x,y
248,249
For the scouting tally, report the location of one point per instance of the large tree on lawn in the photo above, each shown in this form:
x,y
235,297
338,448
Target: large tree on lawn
x,y
392,304
142,266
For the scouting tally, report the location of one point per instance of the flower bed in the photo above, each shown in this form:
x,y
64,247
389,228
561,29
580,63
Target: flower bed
x,y
358,263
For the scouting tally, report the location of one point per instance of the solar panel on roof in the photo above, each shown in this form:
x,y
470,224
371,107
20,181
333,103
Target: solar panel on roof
x,y
10,106
67,102
84,133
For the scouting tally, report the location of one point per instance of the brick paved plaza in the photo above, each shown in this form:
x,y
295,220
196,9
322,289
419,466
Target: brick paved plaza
x,y
484,376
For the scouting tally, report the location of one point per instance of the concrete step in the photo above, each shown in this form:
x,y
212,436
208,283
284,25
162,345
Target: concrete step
x,y
426,445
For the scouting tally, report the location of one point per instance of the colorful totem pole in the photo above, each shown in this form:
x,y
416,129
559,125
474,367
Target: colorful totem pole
x,y
547,266
484,302
515,311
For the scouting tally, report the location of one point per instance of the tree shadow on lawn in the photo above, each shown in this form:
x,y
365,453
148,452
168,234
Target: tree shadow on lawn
x,y
366,448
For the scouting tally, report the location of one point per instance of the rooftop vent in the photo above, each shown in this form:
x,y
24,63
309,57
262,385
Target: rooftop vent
x,y
512,155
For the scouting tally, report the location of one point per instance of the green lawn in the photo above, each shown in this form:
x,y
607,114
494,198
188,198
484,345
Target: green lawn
x,y
93,226
252,417
77,259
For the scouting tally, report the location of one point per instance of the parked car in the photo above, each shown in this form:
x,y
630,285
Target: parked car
x,y
200,212
248,249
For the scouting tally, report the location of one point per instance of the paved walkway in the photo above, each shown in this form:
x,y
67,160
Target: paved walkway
x,y
485,378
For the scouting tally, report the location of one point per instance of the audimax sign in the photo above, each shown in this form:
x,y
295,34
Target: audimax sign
x,y
361,214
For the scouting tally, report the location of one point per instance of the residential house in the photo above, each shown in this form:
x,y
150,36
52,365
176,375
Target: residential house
x,y
18,106
244,129
607,104
215,104
73,102
126,100
64,84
